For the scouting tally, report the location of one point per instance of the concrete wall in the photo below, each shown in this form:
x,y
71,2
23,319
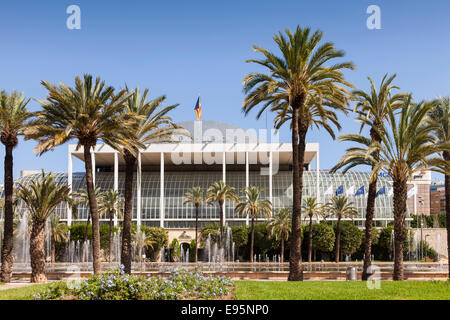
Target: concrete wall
x,y
431,236
183,235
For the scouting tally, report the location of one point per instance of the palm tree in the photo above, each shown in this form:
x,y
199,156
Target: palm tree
x,y
440,119
280,227
372,110
341,208
41,198
59,233
407,146
195,196
88,113
13,122
311,208
153,125
300,84
109,205
142,240
220,192
252,205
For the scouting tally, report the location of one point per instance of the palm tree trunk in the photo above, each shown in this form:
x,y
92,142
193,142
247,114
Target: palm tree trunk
x,y
338,239
400,196
370,210
221,220
125,256
310,240
447,208
282,249
298,155
110,235
93,209
7,248
196,233
37,251
252,239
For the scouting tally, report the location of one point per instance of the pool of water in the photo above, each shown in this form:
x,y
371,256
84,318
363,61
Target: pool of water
x,y
234,267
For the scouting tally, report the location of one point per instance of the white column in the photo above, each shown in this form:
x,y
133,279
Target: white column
x,y
247,181
224,176
161,192
93,165
69,184
270,177
138,190
116,181
415,201
317,177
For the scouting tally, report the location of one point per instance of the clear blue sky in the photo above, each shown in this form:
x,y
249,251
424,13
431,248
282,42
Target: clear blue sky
x,y
182,48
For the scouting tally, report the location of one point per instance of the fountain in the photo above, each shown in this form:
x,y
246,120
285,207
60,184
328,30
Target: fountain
x,y
22,241
217,252
416,246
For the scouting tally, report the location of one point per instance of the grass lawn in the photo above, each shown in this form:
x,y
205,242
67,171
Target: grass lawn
x,y
24,293
341,290
308,290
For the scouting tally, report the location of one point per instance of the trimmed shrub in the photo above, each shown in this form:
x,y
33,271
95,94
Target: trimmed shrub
x,y
351,237
175,250
192,251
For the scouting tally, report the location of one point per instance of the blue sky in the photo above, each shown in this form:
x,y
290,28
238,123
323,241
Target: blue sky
x,y
182,48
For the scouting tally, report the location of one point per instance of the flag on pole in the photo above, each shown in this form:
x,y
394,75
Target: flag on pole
x,y
198,109
340,190
329,191
360,191
391,192
350,191
381,191
412,192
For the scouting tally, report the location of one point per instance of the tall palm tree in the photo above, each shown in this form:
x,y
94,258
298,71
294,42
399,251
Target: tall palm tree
x,y
440,119
311,208
58,233
407,146
280,226
372,110
88,113
153,125
252,205
220,192
13,121
195,196
341,208
306,83
110,205
41,198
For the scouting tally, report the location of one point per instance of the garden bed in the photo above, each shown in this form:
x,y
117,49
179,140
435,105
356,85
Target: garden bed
x,y
181,284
